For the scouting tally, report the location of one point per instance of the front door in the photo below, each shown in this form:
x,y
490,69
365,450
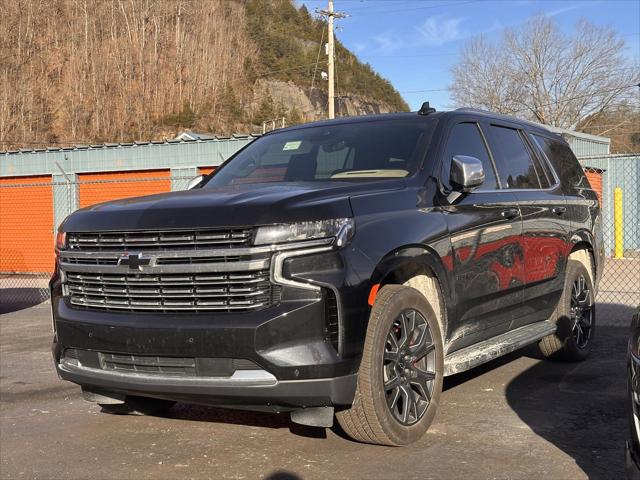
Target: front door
x,y
485,228
545,226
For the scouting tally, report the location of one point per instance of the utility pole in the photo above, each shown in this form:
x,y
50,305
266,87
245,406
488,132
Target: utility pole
x,y
330,14
332,94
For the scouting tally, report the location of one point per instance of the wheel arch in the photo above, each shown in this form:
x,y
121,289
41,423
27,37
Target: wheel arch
x,y
420,267
582,250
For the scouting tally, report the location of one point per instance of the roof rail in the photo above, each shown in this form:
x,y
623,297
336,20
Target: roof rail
x,y
470,109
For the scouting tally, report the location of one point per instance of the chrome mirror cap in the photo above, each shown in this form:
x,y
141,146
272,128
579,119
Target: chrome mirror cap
x,y
467,173
194,182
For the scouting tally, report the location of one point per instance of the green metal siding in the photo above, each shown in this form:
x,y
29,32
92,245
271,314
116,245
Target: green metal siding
x,y
586,148
619,171
121,157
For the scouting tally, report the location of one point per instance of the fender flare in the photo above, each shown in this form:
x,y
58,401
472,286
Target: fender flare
x,y
407,261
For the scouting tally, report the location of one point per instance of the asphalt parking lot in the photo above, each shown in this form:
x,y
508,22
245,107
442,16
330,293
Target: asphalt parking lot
x,y
517,417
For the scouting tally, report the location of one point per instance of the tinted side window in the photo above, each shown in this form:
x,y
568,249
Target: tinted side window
x,y
512,158
563,161
465,139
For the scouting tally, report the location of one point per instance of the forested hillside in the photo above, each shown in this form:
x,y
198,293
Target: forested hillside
x,y
85,71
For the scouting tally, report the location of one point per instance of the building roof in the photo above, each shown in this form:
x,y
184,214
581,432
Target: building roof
x,y
581,135
192,135
101,146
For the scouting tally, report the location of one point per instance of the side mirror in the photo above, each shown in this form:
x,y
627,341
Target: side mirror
x,y
194,182
467,173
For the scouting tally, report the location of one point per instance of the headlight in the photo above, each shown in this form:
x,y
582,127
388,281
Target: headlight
x,y
341,228
61,240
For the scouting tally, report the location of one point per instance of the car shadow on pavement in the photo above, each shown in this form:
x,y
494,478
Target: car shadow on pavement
x,y
211,414
14,299
282,475
581,407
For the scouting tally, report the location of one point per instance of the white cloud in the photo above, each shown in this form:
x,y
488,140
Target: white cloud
x,y
387,43
438,30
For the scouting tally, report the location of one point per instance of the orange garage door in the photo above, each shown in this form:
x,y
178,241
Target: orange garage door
x,y
26,224
595,180
102,187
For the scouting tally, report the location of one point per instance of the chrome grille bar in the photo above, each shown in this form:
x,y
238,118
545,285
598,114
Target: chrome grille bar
x,y
187,267
228,292
179,239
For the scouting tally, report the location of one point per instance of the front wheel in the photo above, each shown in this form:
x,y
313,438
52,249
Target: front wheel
x,y
575,318
400,376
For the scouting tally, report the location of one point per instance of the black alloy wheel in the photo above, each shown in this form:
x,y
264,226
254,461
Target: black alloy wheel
x,y
574,317
581,312
401,371
409,367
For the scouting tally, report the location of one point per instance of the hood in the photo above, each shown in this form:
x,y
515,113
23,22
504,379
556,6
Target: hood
x,y
231,206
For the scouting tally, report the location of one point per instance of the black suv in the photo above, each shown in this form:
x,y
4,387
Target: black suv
x,y
335,268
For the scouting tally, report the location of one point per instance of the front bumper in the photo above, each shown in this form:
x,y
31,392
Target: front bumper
x,y
296,366
256,390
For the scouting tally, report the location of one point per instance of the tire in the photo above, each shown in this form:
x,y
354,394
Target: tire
x,y
575,328
138,405
376,415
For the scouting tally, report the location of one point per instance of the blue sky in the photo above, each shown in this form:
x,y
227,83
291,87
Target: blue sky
x,y
413,43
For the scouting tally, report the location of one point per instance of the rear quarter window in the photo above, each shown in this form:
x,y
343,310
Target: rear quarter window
x,y
563,161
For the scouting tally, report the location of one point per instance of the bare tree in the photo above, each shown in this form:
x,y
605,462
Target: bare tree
x,y
79,71
537,72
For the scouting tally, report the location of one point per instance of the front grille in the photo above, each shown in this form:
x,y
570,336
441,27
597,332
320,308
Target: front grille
x,y
172,270
160,240
226,292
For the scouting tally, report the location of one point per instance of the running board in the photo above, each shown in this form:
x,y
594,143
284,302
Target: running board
x,y
487,350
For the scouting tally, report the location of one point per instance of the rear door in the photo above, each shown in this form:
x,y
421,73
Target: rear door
x,y
545,225
485,232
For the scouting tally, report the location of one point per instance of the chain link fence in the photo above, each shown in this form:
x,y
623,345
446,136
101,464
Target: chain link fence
x,y
31,208
616,178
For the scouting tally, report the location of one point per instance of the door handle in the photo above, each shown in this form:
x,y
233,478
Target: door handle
x,y
510,213
559,210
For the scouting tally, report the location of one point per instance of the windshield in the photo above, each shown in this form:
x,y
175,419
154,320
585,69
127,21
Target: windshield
x,y
340,152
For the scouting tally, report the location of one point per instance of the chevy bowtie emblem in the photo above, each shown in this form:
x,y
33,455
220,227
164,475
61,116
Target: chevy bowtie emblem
x,y
134,260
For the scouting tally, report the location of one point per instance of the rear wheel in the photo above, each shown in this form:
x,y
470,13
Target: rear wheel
x,y
400,376
575,317
139,405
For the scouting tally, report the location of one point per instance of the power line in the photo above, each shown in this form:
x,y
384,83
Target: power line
x,y
396,10
317,59
425,91
439,54
366,5
264,74
568,99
